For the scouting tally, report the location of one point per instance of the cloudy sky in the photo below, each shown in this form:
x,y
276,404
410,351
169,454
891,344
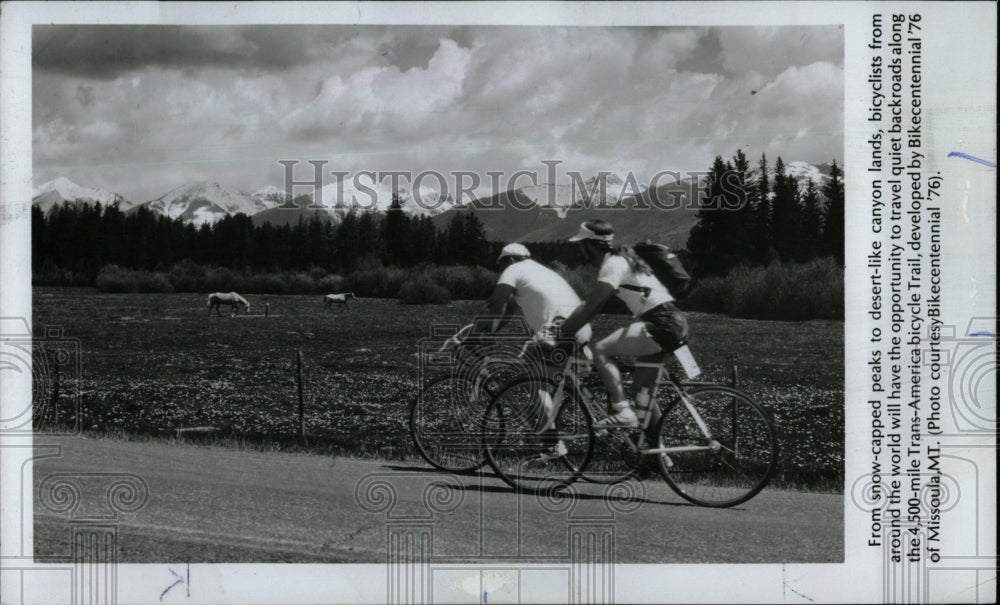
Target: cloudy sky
x,y
139,110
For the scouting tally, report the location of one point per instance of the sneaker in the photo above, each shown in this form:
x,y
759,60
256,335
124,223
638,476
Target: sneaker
x,y
556,451
623,419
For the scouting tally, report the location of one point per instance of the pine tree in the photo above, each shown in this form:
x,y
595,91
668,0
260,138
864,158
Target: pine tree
x,y
423,241
347,243
762,208
742,221
370,242
455,239
476,246
710,243
811,228
833,232
785,213
395,232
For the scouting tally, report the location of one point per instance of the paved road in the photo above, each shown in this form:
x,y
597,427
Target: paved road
x,y
211,504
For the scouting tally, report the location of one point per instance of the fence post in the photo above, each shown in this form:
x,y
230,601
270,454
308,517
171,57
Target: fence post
x,y
302,418
732,406
55,395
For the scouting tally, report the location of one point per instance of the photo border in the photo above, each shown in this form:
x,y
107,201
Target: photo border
x,y
966,124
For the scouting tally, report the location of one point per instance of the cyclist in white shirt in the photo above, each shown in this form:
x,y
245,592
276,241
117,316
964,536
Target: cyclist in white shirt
x,y
660,326
545,299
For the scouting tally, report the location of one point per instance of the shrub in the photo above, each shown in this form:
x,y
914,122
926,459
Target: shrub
x,y
331,284
265,283
581,278
220,279
422,289
187,276
300,283
384,282
153,282
812,290
112,278
57,276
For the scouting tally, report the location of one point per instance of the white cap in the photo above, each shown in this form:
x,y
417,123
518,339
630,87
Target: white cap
x,y
514,250
586,233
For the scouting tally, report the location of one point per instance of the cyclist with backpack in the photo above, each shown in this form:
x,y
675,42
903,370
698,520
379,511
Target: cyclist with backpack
x,y
659,327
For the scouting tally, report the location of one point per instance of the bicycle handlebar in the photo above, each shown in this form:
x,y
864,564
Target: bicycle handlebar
x,y
456,338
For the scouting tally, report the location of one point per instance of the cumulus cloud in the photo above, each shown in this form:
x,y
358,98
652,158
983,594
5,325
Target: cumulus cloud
x,y
383,97
153,107
770,50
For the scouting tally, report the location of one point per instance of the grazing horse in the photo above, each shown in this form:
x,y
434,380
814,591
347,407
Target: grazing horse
x,y
231,299
340,299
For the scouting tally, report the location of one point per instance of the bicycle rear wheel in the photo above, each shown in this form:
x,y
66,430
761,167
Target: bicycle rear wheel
x,y
445,423
518,452
731,467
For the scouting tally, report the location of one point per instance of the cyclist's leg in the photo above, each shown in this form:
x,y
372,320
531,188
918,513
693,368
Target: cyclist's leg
x,y
630,341
667,326
551,371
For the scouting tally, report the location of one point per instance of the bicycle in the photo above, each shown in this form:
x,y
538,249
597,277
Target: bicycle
x,y
715,446
445,415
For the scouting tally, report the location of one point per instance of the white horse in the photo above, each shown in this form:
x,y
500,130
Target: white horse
x,y
340,299
231,299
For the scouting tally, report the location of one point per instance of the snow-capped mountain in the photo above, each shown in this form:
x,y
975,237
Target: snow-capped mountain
x,y
802,172
340,198
62,190
204,203
562,197
269,196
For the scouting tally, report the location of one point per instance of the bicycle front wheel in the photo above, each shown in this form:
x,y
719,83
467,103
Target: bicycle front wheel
x,y
445,423
728,466
526,457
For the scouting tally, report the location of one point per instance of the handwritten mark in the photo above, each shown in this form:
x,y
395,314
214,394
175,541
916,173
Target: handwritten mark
x,y
985,333
785,587
484,597
971,158
179,580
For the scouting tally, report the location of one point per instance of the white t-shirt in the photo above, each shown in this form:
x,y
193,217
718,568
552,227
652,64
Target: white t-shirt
x,y
616,271
541,293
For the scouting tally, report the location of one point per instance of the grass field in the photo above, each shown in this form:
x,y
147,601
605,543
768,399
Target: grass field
x,y
155,363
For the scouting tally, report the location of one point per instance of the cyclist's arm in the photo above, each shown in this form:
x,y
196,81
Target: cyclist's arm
x,y
501,303
591,307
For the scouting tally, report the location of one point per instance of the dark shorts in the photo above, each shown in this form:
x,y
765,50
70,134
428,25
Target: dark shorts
x,y
666,325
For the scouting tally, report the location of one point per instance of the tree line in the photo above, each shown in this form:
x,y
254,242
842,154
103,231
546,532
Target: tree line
x,y
81,238
745,219
749,220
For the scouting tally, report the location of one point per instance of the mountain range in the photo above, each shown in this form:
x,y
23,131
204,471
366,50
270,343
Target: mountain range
x,y
534,213
61,190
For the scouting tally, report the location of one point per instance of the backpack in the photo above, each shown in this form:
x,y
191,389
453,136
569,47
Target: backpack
x,y
666,267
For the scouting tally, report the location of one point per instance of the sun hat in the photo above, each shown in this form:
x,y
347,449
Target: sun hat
x,y
597,229
514,250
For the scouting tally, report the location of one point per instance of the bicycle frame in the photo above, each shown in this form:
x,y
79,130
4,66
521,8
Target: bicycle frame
x,y
664,377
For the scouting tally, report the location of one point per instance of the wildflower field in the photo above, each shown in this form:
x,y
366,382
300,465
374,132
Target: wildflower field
x,y
155,363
